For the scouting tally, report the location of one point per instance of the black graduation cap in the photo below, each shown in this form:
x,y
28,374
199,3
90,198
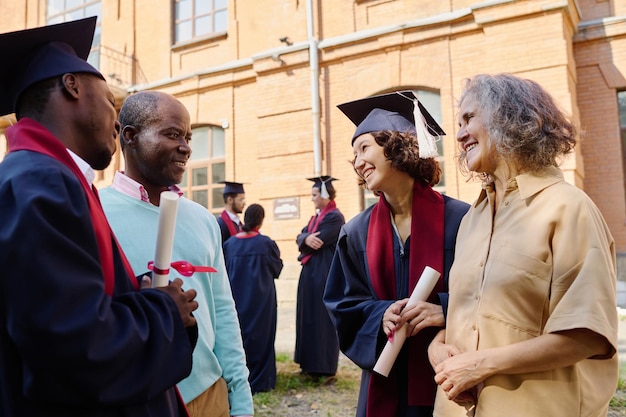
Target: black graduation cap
x,y
323,182
34,55
233,187
393,111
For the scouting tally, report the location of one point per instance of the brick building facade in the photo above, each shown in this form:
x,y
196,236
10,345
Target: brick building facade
x,y
245,70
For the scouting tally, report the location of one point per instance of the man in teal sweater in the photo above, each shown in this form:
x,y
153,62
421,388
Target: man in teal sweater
x,y
155,136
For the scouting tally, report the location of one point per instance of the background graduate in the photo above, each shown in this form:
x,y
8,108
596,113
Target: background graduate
x,y
382,252
234,202
317,347
253,263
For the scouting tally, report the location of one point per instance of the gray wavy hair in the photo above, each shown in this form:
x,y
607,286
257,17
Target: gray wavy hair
x,y
524,123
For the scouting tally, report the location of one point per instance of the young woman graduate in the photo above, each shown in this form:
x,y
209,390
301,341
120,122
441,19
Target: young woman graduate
x,y
382,252
253,263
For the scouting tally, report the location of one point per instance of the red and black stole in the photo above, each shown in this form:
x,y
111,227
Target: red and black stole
x,y
30,135
232,229
314,224
426,249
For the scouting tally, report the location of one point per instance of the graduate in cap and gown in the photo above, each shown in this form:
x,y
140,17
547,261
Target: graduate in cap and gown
x,y
253,263
234,202
77,335
382,252
317,347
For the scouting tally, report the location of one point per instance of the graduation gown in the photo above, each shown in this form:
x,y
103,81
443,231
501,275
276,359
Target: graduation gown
x,y
356,311
66,347
317,347
224,228
253,263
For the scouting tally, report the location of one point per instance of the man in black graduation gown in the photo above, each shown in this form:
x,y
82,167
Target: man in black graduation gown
x,y
77,337
234,202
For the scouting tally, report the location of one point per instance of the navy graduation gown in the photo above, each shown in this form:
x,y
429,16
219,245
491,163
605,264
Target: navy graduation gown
x,y
317,347
66,348
353,306
252,264
224,229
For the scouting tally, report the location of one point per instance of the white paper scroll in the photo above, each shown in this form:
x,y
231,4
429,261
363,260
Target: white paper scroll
x,y
422,290
165,238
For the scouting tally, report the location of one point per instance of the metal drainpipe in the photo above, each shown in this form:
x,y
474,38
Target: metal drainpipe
x,y
315,101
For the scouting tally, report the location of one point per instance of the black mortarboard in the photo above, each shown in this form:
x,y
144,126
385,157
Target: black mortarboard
x,y
233,187
393,111
34,55
322,183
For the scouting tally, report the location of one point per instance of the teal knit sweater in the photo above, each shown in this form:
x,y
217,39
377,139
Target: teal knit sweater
x,y
219,351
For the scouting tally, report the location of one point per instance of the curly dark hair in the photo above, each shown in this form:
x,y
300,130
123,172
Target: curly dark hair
x,y
402,150
524,123
253,217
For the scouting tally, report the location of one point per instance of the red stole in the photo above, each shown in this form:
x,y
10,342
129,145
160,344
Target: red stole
x,y
314,224
426,249
29,135
232,229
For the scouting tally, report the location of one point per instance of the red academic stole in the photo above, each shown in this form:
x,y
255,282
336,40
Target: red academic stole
x,y
229,223
426,249
314,224
29,135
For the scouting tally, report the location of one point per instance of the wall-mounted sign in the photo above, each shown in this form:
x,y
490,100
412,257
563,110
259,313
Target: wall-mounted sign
x,y
287,208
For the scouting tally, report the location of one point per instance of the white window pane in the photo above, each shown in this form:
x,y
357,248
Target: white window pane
x,y
219,143
200,144
75,15
94,10
199,176
70,4
202,7
221,4
218,198
218,172
183,31
183,10
203,25
55,7
201,197
432,102
221,21
57,19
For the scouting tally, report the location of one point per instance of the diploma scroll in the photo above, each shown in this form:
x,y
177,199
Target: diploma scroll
x,y
165,238
391,350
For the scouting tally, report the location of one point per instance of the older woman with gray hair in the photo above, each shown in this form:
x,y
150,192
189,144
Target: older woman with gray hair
x,y
532,326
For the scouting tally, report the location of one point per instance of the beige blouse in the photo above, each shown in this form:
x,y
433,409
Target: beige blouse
x,y
544,263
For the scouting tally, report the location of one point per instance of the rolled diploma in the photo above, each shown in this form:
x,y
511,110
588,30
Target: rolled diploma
x,y
422,290
165,237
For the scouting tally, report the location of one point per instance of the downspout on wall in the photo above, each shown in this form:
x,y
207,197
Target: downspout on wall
x,y
315,100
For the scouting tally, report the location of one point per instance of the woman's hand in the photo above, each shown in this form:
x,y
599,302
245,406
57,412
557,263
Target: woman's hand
x,y
460,373
421,315
392,316
438,350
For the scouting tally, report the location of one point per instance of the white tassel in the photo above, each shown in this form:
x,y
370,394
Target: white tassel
x,y
324,191
425,141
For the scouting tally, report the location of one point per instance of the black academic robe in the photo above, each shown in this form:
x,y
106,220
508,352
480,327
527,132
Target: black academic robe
x,y
253,263
224,228
317,347
357,312
67,349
